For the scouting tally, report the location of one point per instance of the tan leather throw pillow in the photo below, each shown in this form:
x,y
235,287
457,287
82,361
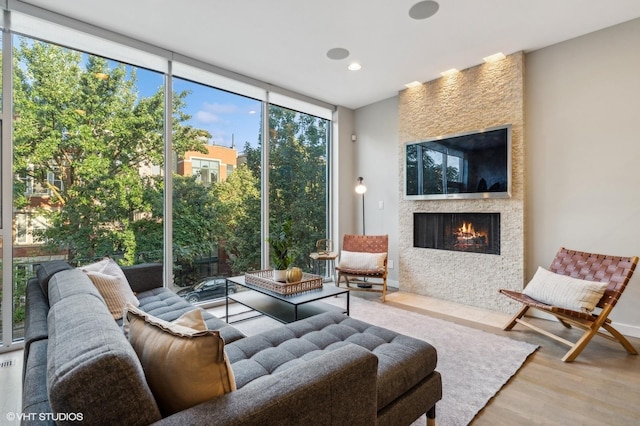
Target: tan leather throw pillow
x,y
183,365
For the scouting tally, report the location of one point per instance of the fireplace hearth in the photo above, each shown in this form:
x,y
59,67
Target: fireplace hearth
x,y
466,232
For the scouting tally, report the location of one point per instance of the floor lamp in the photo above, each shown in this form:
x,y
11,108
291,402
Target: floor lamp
x,y
361,189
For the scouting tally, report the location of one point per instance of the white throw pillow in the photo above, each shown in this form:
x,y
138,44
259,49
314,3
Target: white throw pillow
x,y
362,261
112,284
184,363
565,291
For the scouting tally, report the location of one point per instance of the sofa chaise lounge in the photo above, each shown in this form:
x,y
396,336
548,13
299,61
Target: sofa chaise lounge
x,y
329,369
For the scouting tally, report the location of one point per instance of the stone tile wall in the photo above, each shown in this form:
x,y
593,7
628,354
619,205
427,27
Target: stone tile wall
x,y
484,96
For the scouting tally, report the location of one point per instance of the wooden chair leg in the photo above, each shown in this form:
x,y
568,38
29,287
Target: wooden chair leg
x,y
581,344
513,321
621,339
384,290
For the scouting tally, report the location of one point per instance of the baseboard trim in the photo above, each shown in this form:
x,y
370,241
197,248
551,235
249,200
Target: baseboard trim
x,y
626,329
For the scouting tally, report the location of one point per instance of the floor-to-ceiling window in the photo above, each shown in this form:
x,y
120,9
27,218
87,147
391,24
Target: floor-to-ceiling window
x,y
94,150
88,149
216,197
298,179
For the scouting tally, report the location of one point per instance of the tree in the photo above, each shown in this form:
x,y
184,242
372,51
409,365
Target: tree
x,y
194,230
84,132
297,177
236,207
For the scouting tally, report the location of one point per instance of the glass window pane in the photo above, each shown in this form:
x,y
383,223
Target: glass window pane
x,y
298,179
88,149
21,273
216,200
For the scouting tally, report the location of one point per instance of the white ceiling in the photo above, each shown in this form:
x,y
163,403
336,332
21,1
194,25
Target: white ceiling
x,y
284,42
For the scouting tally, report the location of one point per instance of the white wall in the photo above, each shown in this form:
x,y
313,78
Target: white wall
x,y
582,113
377,162
582,127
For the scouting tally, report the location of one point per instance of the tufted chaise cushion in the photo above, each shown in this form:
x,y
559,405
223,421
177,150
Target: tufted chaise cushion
x,y
168,306
403,361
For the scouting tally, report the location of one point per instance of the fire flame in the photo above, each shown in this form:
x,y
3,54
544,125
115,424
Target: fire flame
x,y
466,231
467,234
466,228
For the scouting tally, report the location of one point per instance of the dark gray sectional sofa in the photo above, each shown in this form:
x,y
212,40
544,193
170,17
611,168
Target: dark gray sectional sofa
x,y
325,370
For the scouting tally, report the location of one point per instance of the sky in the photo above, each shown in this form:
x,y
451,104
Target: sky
x,y
227,116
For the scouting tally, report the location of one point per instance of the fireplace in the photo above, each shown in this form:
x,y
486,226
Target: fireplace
x,y
467,232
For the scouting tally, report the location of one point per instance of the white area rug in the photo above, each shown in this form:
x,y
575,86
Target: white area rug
x,y
474,364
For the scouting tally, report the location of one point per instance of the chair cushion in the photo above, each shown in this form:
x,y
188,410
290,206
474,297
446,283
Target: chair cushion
x,y
362,261
564,291
183,366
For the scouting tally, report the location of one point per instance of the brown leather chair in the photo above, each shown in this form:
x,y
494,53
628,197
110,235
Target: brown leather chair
x,y
614,270
369,277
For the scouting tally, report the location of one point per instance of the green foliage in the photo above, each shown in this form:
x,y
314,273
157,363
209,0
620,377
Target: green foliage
x,y
20,286
281,246
84,122
81,120
236,205
193,224
298,178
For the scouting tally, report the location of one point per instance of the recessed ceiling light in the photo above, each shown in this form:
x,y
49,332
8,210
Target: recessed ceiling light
x,y
423,9
413,84
450,72
354,66
337,53
495,57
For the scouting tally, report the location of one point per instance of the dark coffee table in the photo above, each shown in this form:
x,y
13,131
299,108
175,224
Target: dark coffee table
x,y
283,308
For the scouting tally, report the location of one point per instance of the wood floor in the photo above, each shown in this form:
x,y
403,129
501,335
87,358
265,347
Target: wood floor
x,y
602,387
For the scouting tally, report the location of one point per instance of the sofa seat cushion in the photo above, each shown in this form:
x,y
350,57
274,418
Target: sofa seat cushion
x,y
166,305
91,367
403,361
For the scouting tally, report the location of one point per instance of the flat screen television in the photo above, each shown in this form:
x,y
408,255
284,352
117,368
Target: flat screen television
x,y
466,165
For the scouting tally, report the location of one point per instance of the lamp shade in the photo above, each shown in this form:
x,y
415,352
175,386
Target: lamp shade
x,y
360,188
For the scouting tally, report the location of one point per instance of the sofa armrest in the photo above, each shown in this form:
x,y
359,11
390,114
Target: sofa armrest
x,y
144,276
338,388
